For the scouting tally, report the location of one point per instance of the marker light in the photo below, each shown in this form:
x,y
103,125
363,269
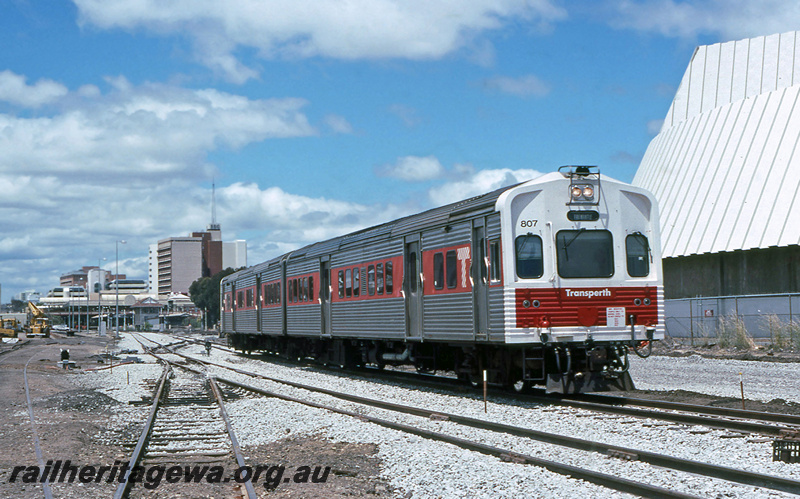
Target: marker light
x,y
588,192
576,191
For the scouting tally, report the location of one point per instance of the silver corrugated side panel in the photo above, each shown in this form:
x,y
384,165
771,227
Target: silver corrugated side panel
x,y
448,317
303,319
272,320
269,274
377,250
459,233
496,314
301,266
380,319
246,321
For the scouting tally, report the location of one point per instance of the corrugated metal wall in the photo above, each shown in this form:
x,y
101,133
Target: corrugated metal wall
x,y
725,166
728,72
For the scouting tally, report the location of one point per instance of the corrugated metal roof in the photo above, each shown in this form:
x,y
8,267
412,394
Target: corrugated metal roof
x,y
409,224
725,166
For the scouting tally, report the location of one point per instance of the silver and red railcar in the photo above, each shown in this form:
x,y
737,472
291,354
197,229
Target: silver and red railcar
x,y
549,282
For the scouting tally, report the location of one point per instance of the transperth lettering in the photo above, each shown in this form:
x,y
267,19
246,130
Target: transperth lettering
x,y
587,293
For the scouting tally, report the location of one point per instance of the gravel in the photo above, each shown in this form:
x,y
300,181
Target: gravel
x,y
764,381
423,468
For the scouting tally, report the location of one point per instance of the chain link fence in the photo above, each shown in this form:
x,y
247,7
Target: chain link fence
x,y
736,321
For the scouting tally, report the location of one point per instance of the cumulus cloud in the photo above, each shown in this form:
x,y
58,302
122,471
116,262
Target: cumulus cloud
x,y
413,169
15,90
524,86
295,219
358,29
731,19
121,164
479,182
151,129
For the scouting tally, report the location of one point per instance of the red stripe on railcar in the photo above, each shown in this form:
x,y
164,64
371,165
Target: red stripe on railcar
x,y
585,307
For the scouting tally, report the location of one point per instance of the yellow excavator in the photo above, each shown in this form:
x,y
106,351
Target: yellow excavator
x,y
39,325
9,328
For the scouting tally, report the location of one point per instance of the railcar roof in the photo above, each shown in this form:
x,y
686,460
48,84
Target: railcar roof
x,y
434,217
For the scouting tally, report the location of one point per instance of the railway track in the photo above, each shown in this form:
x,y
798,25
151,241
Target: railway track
x,y
187,423
737,420
46,489
651,458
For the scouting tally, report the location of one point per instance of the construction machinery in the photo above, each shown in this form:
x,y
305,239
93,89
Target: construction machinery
x,y
39,323
9,328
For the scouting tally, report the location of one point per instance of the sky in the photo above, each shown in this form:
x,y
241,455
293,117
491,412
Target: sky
x,y
313,119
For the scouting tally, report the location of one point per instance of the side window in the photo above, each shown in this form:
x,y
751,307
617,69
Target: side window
x,y
356,282
528,251
249,297
637,249
348,283
311,288
371,280
452,269
240,299
495,267
482,260
304,288
277,293
389,279
379,271
438,270
296,291
412,271
341,284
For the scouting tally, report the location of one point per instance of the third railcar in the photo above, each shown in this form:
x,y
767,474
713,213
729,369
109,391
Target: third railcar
x,y
546,282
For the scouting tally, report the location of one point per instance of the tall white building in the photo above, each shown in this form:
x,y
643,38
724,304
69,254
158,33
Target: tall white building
x,y
176,262
234,254
725,168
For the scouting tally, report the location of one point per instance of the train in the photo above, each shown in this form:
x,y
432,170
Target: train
x,y
551,282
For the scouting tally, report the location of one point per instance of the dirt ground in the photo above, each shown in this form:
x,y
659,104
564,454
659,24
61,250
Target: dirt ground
x,y
74,423
711,350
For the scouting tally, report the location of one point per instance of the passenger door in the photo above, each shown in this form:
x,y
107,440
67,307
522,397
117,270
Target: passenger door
x,y
480,278
325,296
412,288
259,304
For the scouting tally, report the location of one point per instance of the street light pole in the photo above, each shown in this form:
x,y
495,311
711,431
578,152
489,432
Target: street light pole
x,y
99,294
116,288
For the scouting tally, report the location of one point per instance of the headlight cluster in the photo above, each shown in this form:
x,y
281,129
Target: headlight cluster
x,y
582,192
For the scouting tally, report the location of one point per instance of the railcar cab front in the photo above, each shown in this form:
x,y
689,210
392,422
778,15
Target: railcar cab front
x,y
584,281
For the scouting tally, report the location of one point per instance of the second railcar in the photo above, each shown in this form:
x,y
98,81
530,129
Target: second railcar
x,y
549,282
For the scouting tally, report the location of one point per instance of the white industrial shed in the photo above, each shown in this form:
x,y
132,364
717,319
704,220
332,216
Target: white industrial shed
x,y
726,171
